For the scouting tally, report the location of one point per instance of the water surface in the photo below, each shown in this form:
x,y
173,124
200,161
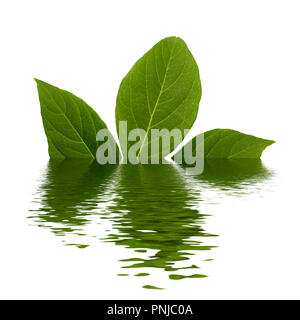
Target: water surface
x,y
153,211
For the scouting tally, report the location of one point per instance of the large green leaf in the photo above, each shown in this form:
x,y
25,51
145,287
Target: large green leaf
x,y
161,91
70,124
229,144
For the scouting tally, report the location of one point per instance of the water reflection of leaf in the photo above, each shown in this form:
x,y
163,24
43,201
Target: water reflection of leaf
x,y
69,192
155,210
238,177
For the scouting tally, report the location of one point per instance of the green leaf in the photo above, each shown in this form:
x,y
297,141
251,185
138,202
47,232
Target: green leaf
x,y
70,124
230,144
162,90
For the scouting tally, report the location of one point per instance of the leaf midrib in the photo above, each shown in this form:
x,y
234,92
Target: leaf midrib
x,y
247,148
158,97
64,115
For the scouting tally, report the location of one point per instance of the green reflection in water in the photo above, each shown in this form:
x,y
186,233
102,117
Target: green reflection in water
x,y
142,274
179,276
69,192
155,210
235,176
151,287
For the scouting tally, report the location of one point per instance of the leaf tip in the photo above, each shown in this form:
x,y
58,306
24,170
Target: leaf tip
x,y
37,81
270,142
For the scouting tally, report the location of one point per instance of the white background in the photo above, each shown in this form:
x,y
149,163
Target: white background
x,y
248,54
